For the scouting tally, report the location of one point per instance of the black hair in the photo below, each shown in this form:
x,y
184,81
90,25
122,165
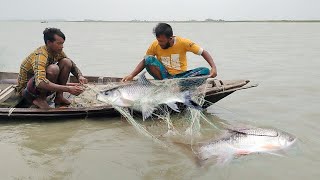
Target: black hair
x,y
163,29
48,34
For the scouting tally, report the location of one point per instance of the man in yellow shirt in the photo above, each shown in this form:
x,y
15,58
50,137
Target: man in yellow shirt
x,y
46,70
166,57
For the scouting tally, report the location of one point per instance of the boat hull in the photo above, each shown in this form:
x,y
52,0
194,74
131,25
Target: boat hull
x,y
218,90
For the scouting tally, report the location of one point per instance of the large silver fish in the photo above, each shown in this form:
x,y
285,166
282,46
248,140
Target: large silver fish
x,y
243,142
145,96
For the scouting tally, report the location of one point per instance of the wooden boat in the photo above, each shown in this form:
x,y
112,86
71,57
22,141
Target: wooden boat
x,y
13,107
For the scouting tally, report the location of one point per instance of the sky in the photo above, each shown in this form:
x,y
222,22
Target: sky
x,y
164,10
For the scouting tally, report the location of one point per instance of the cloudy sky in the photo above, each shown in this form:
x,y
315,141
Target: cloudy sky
x,y
160,10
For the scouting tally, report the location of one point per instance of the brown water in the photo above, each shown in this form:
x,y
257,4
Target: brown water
x,y
282,57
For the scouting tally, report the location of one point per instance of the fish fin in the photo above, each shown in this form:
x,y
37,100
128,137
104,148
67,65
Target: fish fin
x,y
146,111
187,149
270,147
276,154
189,102
192,152
242,152
256,131
224,159
173,106
143,80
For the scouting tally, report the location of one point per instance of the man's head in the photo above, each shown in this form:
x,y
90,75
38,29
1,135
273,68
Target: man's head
x,y
164,34
54,39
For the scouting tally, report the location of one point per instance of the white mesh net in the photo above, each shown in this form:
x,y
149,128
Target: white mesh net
x,y
189,124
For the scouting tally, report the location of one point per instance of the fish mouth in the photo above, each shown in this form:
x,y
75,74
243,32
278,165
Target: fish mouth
x,y
98,97
292,140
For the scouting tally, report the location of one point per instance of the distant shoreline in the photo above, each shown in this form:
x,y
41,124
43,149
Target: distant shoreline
x,y
190,21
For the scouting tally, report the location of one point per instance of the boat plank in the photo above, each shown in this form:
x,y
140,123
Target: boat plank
x,y
7,93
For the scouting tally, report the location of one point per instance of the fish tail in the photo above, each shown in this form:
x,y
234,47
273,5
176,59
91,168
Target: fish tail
x,y
190,103
187,150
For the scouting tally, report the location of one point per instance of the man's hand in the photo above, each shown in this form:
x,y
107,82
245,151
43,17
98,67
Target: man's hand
x,y
127,78
75,90
213,73
83,80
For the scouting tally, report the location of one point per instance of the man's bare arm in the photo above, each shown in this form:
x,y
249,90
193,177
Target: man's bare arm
x,y
209,59
77,73
136,71
75,90
75,70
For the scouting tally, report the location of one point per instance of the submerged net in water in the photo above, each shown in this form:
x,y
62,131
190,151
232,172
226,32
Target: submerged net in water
x,y
188,123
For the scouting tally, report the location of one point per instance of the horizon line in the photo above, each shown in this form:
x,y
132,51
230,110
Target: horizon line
x,y
142,21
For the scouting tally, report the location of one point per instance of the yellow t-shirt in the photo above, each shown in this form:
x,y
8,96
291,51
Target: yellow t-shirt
x,y
174,58
36,63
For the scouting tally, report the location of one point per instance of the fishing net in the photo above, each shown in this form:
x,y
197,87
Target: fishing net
x,y
88,97
188,124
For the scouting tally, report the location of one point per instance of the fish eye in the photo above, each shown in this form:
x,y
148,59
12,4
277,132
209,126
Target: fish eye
x,y
291,138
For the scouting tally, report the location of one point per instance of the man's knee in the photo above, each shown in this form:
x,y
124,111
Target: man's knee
x,y
203,70
53,70
65,63
149,60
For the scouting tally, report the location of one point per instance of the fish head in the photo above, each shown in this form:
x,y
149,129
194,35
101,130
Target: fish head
x,y
109,95
286,139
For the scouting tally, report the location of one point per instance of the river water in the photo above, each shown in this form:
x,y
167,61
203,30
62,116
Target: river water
x,y
282,57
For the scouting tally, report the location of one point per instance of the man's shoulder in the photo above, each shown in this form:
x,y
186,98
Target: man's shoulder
x,y
182,39
186,42
41,50
154,43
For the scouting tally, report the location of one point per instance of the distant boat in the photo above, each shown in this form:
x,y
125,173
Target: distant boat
x,y
44,21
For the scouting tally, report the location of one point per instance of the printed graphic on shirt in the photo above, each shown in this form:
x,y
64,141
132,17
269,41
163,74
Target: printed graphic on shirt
x,y
175,61
166,61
